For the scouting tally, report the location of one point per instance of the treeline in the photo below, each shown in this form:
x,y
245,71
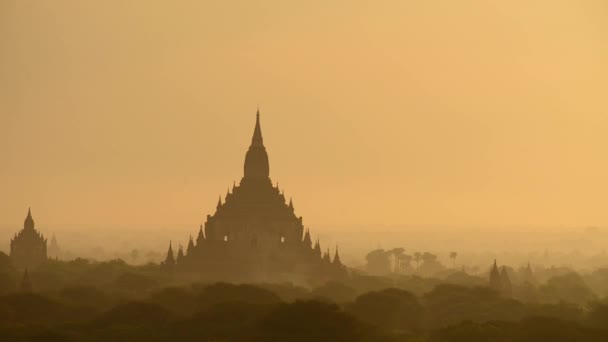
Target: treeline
x,y
229,312
112,301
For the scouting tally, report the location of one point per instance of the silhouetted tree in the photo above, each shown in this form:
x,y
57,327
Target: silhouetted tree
x,y
311,321
390,309
378,261
453,256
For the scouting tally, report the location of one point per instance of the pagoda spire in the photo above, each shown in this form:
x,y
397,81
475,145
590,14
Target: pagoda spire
x,y
307,241
317,249
256,159
257,139
201,236
326,257
337,260
180,254
495,281
190,247
170,259
29,220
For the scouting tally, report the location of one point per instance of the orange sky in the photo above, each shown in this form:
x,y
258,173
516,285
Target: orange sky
x,y
415,112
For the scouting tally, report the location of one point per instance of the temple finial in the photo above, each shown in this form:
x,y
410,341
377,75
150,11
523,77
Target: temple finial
x,y
29,220
257,139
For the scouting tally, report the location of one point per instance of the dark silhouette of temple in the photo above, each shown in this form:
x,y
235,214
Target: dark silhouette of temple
x,y
255,233
500,281
53,250
28,247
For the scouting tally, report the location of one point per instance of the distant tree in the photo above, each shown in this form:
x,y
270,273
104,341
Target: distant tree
x,y
229,293
430,265
88,296
335,291
417,259
453,256
134,314
569,287
134,282
598,315
396,256
30,307
452,304
311,321
378,261
134,255
8,274
390,309
405,263
178,300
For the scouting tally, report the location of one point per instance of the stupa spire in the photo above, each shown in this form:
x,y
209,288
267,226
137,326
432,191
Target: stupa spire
x,y
257,139
29,220
256,160
337,257
170,259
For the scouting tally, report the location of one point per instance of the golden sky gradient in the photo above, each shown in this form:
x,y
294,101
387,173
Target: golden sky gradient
x,y
414,112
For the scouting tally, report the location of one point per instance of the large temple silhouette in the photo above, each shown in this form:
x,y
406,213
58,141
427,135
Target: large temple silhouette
x,y
28,247
255,233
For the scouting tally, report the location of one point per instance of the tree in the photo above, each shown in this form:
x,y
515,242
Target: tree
x,y
417,259
378,261
134,255
311,321
389,309
453,256
404,263
396,256
569,287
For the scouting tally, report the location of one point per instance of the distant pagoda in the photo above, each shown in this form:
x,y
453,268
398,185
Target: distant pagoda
x,y
255,233
28,247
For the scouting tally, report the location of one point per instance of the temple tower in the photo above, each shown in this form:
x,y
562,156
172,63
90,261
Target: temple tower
x,y
28,247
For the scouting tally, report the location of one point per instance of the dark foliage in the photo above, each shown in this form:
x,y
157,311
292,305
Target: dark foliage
x,y
390,309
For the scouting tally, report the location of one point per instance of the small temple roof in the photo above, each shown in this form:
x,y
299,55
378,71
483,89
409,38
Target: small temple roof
x,y
337,257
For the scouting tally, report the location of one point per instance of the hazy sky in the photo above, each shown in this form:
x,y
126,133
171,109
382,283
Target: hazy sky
x,y
415,112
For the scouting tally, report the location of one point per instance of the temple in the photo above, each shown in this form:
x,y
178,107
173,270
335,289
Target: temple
x,y
499,281
28,247
255,233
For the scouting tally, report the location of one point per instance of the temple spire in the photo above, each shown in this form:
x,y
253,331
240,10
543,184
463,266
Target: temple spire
x,y
307,240
256,159
180,254
29,221
190,248
337,257
201,237
317,249
170,259
257,139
